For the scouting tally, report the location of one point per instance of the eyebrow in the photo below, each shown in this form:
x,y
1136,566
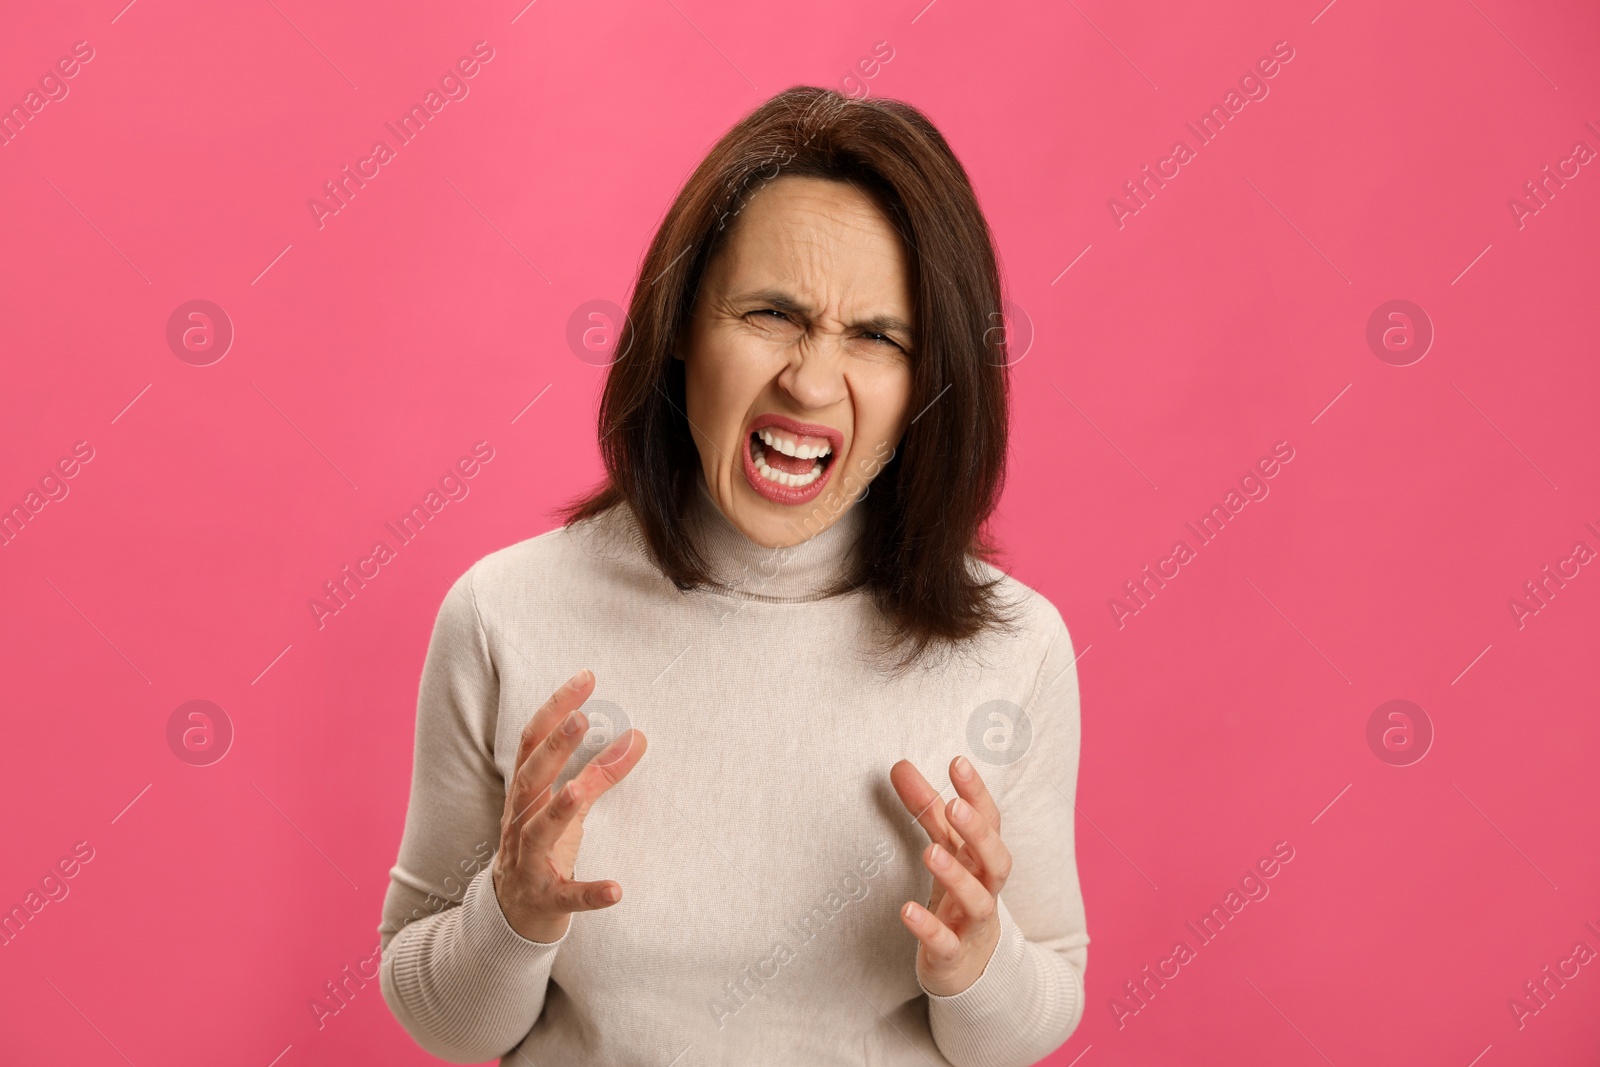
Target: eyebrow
x,y
779,300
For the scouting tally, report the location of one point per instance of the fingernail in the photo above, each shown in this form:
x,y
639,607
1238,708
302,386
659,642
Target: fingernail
x,y
913,910
941,858
572,723
579,678
611,893
963,768
960,810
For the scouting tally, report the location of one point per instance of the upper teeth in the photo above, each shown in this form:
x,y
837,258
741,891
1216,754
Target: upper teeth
x,y
790,447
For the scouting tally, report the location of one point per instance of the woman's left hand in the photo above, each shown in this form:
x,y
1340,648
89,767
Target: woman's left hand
x,y
959,928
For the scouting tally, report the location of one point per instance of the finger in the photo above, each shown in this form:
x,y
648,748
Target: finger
x,y
935,898
608,767
923,802
587,896
939,942
544,764
960,885
969,784
541,831
991,859
573,692
538,728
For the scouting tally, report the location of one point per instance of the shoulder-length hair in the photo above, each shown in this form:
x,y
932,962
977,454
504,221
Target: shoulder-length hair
x,y
927,508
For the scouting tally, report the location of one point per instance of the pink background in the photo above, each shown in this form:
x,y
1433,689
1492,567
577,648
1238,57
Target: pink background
x,y
1228,314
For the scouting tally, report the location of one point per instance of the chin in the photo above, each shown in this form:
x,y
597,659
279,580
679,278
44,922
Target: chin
x,y
773,525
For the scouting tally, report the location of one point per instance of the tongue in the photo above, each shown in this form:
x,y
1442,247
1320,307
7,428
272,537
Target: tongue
x,y
788,464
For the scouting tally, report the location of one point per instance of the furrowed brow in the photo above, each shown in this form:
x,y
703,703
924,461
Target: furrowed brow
x,y
782,301
775,299
885,324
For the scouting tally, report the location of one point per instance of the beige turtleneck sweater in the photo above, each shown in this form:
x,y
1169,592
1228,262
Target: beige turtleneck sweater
x,y
762,852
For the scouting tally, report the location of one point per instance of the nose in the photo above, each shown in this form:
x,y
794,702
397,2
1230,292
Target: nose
x,y
814,375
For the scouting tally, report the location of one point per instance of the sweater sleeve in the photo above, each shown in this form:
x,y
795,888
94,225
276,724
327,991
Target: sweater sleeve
x,y
462,982
1029,998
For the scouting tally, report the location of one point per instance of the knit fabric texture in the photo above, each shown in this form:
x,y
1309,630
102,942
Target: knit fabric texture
x,y
763,854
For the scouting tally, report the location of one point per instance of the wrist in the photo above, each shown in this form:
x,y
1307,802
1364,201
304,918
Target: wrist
x,y
544,933
971,969
536,928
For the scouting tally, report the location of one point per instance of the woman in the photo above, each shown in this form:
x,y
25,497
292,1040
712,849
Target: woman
x,y
814,318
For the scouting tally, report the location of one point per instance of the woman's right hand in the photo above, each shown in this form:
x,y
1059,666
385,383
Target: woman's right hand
x,y
540,833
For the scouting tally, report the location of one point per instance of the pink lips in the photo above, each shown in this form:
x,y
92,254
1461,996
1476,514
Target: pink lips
x,y
784,494
799,429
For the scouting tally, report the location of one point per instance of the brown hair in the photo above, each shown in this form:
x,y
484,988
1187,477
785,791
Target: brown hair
x,y
928,507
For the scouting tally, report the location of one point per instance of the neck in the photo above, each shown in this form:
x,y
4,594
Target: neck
x,y
809,570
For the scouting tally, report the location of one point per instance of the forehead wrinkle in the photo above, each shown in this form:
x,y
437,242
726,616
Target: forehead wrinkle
x,y
795,246
819,273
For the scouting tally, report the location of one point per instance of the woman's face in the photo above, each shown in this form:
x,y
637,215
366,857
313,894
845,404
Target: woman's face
x,y
798,358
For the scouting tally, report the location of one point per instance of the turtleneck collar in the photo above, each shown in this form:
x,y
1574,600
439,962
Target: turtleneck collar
x,y
806,571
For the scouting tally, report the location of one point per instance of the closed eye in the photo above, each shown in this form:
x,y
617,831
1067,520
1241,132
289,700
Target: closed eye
x,y
876,338
883,338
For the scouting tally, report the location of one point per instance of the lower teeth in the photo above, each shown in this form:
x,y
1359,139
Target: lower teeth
x,y
777,477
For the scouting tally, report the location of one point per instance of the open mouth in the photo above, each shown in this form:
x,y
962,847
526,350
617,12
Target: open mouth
x,y
788,462
782,461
